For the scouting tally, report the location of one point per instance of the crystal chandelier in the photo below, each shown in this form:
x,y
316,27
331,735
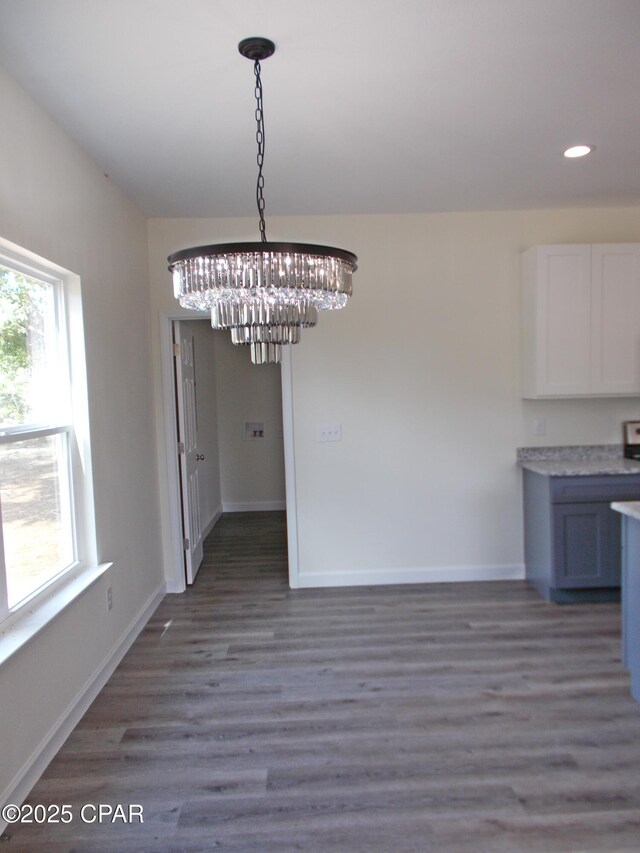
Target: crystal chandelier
x,y
264,292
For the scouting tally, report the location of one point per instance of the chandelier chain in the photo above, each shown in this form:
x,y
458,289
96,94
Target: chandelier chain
x,y
260,156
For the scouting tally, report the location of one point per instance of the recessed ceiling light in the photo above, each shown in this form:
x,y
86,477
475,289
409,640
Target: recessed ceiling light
x,y
578,151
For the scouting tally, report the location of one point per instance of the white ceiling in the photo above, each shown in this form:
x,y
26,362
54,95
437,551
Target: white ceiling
x,y
370,105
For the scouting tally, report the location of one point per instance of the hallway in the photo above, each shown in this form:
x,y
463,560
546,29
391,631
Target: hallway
x,y
450,717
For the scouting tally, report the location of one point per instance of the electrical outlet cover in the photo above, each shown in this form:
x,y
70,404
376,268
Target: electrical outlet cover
x,y
330,432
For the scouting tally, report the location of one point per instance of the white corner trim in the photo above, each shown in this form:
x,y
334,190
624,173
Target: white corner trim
x,y
24,780
27,622
253,506
426,574
288,434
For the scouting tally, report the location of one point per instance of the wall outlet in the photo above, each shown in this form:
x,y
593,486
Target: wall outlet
x,y
109,598
331,432
540,426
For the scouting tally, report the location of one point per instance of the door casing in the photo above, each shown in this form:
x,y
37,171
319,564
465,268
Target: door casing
x,y
176,579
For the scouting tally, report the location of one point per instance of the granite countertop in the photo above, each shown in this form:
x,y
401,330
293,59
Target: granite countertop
x,y
630,508
577,460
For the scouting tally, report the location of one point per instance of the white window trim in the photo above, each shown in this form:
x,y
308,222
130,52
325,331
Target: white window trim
x,y
29,616
11,434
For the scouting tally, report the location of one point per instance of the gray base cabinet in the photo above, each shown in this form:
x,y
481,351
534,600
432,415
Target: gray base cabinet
x,y
631,601
572,537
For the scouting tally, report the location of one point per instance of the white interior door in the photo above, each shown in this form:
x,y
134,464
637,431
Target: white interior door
x,y
188,449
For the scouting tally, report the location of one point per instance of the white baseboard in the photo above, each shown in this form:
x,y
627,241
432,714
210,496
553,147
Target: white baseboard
x,y
427,574
33,768
253,506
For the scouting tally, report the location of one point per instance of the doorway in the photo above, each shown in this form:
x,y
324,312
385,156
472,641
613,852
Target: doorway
x,y
225,438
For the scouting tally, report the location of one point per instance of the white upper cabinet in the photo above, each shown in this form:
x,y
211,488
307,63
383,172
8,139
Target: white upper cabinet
x,y
615,318
581,320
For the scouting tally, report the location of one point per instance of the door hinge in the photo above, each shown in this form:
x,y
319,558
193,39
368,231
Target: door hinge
x,y
176,350
185,544
181,447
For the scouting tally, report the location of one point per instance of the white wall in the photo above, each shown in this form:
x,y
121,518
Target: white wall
x,y
252,472
59,205
422,370
207,420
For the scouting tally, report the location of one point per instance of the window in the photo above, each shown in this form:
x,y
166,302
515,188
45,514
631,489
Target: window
x,y
46,513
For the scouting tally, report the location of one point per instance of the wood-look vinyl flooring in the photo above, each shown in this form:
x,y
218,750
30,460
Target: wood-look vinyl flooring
x,y
447,717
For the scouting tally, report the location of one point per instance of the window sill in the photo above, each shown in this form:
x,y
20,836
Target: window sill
x,y
22,626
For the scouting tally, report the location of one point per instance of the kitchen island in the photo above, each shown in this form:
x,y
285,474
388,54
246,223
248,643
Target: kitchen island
x,y
572,536
631,590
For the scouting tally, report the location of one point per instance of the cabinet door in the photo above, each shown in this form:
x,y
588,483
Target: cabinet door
x,y
586,546
631,601
615,318
557,286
